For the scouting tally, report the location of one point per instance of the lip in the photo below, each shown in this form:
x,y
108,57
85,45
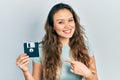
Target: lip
x,y
67,31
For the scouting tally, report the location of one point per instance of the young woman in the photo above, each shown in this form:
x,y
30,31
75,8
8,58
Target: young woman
x,y
64,52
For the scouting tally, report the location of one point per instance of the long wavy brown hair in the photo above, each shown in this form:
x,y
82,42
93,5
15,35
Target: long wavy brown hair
x,y
52,48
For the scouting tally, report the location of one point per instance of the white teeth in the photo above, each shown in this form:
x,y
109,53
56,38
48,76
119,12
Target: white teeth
x,y
67,31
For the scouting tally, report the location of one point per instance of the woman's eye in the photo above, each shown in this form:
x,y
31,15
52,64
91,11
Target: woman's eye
x,y
70,20
60,22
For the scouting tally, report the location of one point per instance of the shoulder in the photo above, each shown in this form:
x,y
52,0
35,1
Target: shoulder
x,y
40,45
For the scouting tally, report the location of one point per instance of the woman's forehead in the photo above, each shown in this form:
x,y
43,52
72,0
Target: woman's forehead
x,y
63,14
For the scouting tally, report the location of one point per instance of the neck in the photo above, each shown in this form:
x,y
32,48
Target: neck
x,y
64,41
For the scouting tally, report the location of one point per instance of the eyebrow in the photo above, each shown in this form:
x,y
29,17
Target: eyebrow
x,y
63,19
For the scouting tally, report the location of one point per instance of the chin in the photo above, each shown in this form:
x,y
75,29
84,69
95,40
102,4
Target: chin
x,y
68,36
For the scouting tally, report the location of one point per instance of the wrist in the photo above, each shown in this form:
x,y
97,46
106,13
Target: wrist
x,y
26,72
87,75
28,75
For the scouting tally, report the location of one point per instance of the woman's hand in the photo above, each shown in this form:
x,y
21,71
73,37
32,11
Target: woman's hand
x,y
22,62
79,68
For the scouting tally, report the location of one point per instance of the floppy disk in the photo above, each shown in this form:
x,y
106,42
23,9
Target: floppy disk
x,y
31,49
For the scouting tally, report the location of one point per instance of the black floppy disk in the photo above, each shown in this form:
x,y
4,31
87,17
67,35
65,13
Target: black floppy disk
x,y
31,49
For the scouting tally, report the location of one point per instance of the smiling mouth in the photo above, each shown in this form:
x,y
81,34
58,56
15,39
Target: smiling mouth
x,y
67,31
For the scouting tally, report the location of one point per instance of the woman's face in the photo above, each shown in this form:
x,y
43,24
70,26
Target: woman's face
x,y
64,24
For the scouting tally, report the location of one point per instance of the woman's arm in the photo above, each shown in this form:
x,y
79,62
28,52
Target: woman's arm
x,y
92,68
37,71
28,76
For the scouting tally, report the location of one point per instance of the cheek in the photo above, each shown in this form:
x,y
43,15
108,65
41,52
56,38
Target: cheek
x,y
58,30
58,27
73,26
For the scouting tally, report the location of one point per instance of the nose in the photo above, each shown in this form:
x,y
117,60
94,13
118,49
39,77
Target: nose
x,y
67,25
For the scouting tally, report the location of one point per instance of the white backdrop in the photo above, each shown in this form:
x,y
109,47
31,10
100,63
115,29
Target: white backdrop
x,y
23,20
